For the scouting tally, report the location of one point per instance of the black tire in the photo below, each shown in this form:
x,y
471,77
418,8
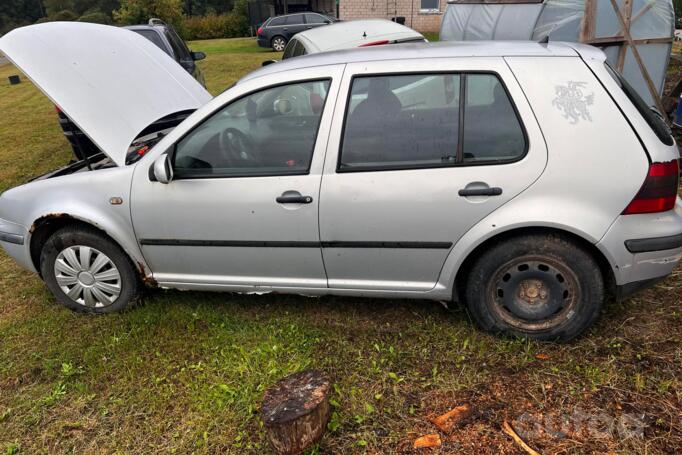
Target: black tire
x,y
543,287
75,238
278,43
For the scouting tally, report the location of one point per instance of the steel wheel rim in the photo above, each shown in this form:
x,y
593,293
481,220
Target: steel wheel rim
x,y
534,293
278,44
87,276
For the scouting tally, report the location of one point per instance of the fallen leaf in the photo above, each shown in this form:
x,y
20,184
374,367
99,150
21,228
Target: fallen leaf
x,y
450,419
542,356
427,441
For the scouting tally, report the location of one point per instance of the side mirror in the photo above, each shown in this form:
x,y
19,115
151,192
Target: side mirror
x,y
161,170
327,22
198,56
268,62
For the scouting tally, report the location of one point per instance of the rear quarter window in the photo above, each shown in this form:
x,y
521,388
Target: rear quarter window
x,y
654,119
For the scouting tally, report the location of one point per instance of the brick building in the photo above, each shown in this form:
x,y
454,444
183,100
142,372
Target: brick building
x,y
421,15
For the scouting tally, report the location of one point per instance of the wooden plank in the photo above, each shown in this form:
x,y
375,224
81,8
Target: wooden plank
x,y
627,7
588,25
638,58
618,40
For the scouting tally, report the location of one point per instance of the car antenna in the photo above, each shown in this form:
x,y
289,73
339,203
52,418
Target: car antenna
x,y
364,34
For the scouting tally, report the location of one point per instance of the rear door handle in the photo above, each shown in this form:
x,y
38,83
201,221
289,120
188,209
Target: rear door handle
x,y
294,199
494,191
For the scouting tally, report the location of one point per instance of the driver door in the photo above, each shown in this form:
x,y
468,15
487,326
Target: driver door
x,y
242,209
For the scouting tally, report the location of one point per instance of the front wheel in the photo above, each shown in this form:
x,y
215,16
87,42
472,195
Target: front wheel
x,y
279,43
544,287
88,272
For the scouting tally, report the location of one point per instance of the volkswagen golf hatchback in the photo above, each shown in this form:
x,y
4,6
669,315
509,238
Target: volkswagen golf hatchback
x,y
527,180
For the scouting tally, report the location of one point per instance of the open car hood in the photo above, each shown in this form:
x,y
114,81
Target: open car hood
x,y
112,83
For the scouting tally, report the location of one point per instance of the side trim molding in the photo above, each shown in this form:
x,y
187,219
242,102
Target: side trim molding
x,y
654,244
11,238
294,244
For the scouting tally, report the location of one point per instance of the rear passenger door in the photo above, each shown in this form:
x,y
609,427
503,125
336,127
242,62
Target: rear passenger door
x,y
414,161
294,24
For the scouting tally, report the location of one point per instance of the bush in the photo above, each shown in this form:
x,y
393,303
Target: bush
x,y
229,25
140,11
95,17
64,15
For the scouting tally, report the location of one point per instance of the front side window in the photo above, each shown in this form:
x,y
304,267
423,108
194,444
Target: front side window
x,y
271,132
429,120
179,47
315,19
430,5
154,37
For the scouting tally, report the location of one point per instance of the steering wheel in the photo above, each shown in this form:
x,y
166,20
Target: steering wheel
x,y
237,147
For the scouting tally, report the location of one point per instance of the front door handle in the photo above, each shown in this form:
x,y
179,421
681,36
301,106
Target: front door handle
x,y
494,191
294,198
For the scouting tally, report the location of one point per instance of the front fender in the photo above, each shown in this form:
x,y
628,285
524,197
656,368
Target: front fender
x,y
85,197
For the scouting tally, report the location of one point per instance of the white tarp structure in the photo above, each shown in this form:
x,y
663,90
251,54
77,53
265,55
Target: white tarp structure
x,y
636,35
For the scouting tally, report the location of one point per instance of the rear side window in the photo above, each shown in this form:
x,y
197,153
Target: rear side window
x,y
652,117
276,21
492,131
429,120
296,19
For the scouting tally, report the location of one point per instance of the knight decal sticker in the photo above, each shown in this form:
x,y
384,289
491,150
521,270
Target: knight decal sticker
x,y
572,102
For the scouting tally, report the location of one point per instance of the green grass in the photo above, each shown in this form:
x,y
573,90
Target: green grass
x,y
184,372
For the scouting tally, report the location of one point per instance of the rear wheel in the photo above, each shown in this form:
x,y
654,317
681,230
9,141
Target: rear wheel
x,y
279,43
543,287
88,272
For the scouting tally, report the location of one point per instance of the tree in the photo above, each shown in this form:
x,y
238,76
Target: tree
x,y
140,11
15,13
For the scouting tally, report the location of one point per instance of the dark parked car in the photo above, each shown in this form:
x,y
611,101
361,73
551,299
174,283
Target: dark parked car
x,y
166,39
277,31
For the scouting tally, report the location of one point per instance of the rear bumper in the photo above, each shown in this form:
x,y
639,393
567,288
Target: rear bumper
x,y
628,290
643,249
263,42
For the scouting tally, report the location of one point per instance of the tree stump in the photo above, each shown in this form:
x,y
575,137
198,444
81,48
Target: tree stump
x,y
295,411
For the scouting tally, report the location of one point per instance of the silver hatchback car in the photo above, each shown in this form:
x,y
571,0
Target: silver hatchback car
x,y
527,180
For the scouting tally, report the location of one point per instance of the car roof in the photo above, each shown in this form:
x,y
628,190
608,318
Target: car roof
x,y
293,14
343,34
443,49
143,27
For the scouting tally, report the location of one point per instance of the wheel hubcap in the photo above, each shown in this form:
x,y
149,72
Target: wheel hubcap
x,y
87,276
534,293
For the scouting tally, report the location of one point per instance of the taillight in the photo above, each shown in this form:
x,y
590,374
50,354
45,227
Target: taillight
x,y
142,150
375,43
260,31
659,191
56,108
